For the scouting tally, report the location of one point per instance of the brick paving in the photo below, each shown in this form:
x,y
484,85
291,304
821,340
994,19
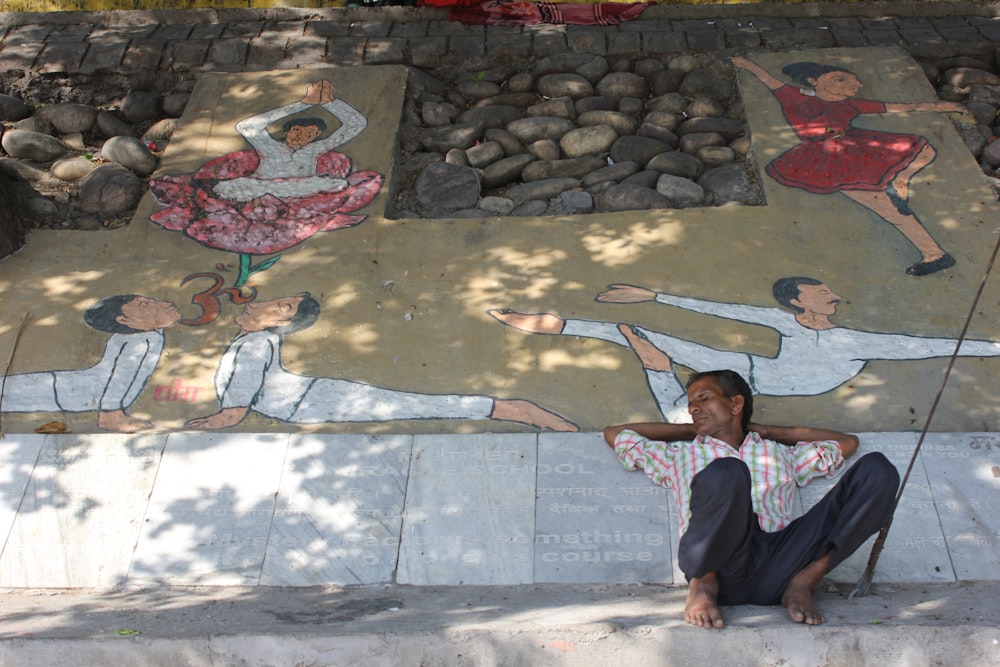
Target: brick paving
x,y
186,41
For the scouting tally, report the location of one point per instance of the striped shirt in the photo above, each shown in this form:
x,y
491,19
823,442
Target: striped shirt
x,y
775,469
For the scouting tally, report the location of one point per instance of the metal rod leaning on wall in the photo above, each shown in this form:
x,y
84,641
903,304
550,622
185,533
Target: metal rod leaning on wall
x,y
865,582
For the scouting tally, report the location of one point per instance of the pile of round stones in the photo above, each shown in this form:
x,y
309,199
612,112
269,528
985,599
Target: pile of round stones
x,y
85,167
576,134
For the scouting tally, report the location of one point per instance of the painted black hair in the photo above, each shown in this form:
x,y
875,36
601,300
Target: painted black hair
x,y
801,72
305,316
103,315
304,122
786,289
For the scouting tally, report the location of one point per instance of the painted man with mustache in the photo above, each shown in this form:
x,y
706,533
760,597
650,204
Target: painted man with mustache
x,y
814,355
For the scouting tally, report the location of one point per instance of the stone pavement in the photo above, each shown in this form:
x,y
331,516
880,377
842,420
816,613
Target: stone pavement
x,y
182,41
283,546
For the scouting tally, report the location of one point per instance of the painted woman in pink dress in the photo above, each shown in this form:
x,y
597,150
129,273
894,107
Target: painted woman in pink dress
x,y
870,167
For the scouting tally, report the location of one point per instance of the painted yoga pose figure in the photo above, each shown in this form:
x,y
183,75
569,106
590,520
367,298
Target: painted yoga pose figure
x,y
250,377
814,354
288,168
733,482
110,386
871,167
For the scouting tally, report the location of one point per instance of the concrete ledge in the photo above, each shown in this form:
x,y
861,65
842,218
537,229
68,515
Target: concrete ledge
x,y
553,625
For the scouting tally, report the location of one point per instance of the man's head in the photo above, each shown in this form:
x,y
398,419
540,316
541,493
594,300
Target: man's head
x,y
719,399
302,131
801,294
283,315
131,313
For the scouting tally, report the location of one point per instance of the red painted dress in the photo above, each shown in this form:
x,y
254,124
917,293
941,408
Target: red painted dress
x,y
834,155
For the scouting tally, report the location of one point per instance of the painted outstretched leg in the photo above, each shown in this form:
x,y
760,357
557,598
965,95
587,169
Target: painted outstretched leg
x,y
893,206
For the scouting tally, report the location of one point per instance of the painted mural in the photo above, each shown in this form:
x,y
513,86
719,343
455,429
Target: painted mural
x,y
814,355
299,173
872,168
261,201
250,376
110,386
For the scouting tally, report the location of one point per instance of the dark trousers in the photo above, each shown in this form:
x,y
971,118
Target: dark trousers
x,y
754,567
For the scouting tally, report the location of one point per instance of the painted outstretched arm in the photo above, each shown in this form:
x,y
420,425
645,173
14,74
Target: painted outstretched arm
x,y
762,74
941,107
773,318
792,435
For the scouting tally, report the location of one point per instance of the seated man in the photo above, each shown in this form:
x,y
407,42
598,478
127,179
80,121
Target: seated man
x,y
734,483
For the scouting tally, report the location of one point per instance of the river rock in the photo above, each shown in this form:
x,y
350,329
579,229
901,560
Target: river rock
x,y
111,125
613,172
564,85
617,85
530,130
506,170
484,154
443,187
560,107
621,122
731,183
510,144
680,192
129,152
110,190
13,108
35,146
543,190
441,139
637,149
72,168
677,163
629,197
69,117
575,167
438,113
140,106
592,140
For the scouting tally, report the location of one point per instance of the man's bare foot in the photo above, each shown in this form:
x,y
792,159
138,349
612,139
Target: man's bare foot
x,y
543,323
797,598
701,608
652,358
526,412
119,422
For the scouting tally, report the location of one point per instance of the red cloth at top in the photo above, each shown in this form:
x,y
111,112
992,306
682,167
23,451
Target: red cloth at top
x,y
524,12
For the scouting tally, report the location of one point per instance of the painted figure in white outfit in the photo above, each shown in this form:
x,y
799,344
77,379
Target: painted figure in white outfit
x,y
111,385
814,355
250,377
288,167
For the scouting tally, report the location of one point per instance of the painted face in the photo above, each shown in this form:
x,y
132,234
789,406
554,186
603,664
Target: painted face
x,y
837,85
145,314
300,135
268,314
818,299
710,410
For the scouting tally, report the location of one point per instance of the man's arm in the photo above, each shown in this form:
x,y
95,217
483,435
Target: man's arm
x,y
660,431
792,435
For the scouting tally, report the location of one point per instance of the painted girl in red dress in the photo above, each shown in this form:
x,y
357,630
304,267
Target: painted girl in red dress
x,y
870,167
